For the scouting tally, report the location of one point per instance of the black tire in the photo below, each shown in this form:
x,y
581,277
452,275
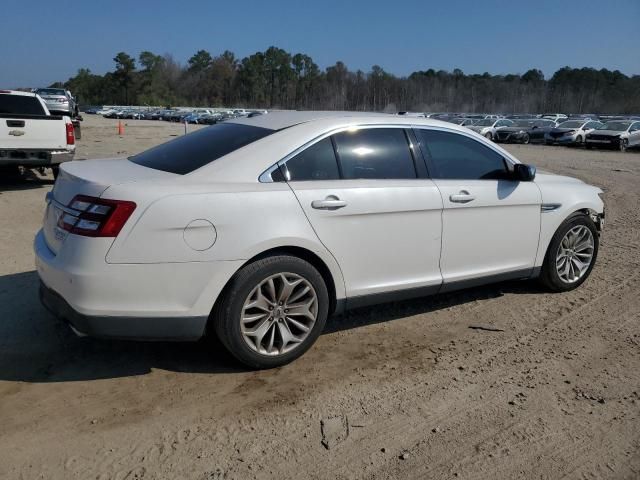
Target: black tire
x,y
488,136
549,276
526,139
579,141
588,147
225,318
55,171
624,144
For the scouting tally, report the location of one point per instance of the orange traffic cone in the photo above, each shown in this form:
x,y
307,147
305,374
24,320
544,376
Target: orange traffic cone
x,y
120,128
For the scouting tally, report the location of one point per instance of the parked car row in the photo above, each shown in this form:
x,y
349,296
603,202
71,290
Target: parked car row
x,y
588,130
206,116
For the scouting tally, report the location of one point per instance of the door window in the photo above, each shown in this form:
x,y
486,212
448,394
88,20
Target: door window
x,y
456,156
376,153
318,162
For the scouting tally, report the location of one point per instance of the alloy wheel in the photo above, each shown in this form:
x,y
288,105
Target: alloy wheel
x,y
575,254
279,314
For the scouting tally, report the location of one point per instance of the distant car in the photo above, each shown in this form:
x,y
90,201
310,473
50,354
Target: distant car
x,y
59,101
463,122
556,117
571,132
620,134
525,131
489,126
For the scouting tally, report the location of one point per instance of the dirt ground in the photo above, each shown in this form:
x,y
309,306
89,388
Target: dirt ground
x,y
404,390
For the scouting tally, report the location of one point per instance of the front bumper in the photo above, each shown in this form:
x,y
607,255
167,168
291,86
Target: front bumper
x,y
603,143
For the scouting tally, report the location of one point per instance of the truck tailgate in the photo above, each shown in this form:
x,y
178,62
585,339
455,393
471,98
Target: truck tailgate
x,y
25,132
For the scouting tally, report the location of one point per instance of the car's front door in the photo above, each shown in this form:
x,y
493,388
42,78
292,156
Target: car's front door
x,y
491,222
373,208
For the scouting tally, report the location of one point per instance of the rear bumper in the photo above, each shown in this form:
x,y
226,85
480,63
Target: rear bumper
x,y
35,158
166,301
131,328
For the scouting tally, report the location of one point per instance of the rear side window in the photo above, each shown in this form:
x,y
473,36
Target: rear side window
x,y
190,152
318,162
376,153
456,156
20,105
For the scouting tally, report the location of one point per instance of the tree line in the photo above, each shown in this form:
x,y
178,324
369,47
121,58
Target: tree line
x,y
278,79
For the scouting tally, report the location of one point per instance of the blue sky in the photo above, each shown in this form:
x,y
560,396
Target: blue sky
x,y
45,41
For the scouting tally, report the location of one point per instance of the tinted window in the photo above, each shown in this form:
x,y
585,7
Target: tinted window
x,y
190,152
374,153
318,162
457,156
20,105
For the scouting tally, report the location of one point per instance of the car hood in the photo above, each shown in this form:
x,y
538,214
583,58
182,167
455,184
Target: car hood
x,y
563,130
611,133
515,129
542,176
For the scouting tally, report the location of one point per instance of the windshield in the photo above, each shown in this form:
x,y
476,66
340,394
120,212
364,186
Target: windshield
x,y
51,91
571,124
615,126
487,122
190,152
523,123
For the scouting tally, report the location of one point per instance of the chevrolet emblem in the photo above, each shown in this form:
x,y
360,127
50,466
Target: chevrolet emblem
x,y
16,133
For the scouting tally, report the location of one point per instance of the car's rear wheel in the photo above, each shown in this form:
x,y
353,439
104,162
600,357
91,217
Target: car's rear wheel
x,y
488,136
526,139
571,254
272,311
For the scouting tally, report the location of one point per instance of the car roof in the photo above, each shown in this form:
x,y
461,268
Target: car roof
x,y
18,92
284,119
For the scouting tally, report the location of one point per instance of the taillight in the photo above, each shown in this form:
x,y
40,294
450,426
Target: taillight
x,y
71,134
97,217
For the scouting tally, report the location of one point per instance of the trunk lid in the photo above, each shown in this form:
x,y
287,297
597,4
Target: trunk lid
x,y
90,178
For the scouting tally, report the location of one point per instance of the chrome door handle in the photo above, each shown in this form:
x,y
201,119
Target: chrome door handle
x,y
330,203
462,197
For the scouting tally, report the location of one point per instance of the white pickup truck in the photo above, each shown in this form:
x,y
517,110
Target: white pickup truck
x,y
30,136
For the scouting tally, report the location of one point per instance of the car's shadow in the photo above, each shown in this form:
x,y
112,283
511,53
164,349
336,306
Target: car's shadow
x,y
36,347
25,180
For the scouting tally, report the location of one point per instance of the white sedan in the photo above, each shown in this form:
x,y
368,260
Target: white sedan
x,y
259,228
489,126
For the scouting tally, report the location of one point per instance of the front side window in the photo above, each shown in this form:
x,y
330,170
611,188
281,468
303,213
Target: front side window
x,y
318,162
456,156
190,152
375,153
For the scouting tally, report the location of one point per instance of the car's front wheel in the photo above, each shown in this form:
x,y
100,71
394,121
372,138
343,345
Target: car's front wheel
x,y
571,254
624,144
272,311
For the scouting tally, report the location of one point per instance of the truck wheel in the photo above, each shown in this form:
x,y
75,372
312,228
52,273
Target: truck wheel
x,y
55,170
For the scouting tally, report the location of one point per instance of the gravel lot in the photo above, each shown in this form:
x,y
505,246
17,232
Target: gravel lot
x,y
403,390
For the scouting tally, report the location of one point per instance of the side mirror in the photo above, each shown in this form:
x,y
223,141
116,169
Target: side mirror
x,y
524,172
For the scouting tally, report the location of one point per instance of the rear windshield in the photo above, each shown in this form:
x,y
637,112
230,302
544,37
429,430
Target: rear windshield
x,y
51,91
20,105
190,152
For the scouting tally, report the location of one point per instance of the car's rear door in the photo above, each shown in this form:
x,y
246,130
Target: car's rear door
x,y
373,207
490,222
